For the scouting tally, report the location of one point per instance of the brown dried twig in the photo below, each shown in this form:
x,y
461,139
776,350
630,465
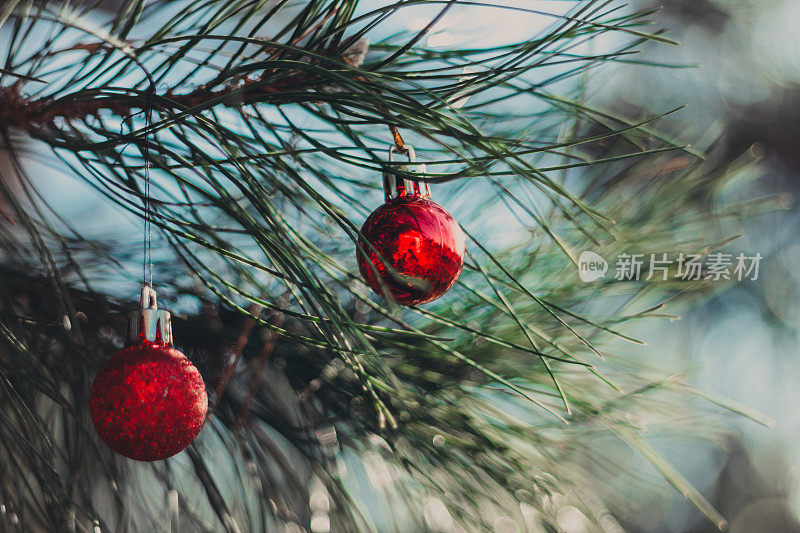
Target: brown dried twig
x,y
261,364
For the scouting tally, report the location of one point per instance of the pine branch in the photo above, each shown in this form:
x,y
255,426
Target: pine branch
x,y
20,112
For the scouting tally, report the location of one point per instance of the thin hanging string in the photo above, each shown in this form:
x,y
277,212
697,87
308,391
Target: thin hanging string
x,y
147,263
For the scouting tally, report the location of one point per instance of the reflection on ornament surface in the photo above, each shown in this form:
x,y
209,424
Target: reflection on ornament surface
x,y
420,250
148,402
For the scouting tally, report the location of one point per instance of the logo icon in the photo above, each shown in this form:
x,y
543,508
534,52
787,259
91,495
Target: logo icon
x,y
591,266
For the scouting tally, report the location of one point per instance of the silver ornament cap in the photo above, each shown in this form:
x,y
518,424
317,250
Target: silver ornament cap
x,y
394,186
149,323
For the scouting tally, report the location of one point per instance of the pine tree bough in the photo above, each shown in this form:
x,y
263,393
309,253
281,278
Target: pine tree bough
x,y
18,111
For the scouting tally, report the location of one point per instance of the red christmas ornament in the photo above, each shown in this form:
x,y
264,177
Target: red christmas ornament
x,y
414,248
148,402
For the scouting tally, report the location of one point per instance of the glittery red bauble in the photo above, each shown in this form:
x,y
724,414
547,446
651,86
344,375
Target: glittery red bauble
x,y
420,250
148,402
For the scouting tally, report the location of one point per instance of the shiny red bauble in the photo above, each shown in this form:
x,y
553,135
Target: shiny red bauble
x,y
148,402
415,248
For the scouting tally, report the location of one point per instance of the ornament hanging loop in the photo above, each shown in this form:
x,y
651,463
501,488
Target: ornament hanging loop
x,y
395,186
149,323
149,299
